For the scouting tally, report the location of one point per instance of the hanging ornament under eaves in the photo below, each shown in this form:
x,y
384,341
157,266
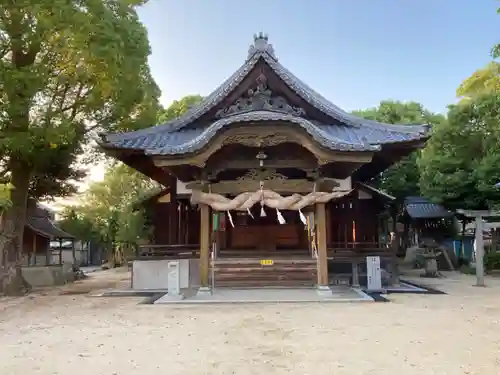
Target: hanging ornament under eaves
x,y
230,218
302,217
281,219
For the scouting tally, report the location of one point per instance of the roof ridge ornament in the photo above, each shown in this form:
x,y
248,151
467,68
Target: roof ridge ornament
x,y
260,99
260,45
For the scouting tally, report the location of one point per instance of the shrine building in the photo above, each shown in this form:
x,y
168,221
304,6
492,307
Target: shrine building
x,y
267,183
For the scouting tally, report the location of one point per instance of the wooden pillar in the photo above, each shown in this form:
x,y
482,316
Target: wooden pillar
x,y
321,244
48,254
204,245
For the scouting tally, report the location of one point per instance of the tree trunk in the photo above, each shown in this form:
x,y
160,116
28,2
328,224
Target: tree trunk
x,y
11,238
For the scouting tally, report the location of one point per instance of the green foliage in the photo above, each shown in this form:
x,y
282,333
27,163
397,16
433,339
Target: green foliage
x,y
64,74
402,179
110,211
492,261
482,81
178,108
107,214
467,269
75,221
57,172
67,69
495,51
459,166
5,201
108,204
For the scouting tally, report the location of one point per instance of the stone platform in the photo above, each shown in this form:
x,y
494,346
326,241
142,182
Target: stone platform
x,y
270,295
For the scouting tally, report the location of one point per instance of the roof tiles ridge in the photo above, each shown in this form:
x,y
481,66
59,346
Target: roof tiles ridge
x,y
320,135
316,99
214,98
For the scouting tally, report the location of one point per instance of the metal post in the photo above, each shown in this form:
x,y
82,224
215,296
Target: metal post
x,y
479,251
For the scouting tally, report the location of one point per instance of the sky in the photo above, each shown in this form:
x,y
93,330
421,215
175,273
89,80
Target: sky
x,y
354,52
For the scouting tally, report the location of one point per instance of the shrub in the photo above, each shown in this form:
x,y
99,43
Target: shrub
x,y
467,269
492,261
463,262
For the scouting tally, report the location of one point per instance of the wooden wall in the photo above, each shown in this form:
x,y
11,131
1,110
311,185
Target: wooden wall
x,y
41,244
351,223
175,222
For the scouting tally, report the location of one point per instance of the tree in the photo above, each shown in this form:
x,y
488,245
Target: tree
x,y
66,69
460,165
482,81
402,179
78,224
110,212
495,51
5,201
57,172
107,213
178,108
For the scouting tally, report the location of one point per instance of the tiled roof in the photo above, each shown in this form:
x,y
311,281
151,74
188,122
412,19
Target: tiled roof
x,y
421,208
44,227
354,133
179,142
377,191
39,221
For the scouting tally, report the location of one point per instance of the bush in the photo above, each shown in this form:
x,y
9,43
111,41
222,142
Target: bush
x,y
467,269
463,262
492,261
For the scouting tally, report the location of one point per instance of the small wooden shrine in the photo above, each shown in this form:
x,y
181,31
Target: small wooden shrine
x,y
39,231
273,177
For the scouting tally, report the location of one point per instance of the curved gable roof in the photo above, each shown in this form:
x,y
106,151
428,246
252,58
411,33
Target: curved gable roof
x,y
363,134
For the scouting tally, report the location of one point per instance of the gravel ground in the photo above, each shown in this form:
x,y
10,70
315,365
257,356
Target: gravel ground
x,y
63,331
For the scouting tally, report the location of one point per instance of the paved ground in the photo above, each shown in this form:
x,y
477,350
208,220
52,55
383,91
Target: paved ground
x,y
64,331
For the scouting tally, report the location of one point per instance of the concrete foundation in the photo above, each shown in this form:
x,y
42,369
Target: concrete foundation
x,y
269,295
39,276
153,274
324,291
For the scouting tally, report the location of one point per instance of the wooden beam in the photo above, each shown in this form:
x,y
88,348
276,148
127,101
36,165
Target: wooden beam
x,y
321,243
221,165
277,185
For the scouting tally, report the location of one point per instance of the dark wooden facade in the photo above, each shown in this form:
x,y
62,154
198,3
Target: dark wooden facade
x,y
352,223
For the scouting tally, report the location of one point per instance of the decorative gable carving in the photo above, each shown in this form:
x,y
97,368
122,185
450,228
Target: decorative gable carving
x,y
260,99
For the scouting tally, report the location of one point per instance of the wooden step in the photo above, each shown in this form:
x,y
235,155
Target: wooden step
x,y
261,254
250,273
263,284
263,269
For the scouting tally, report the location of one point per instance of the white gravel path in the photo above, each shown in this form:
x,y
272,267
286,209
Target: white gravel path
x,y
52,333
